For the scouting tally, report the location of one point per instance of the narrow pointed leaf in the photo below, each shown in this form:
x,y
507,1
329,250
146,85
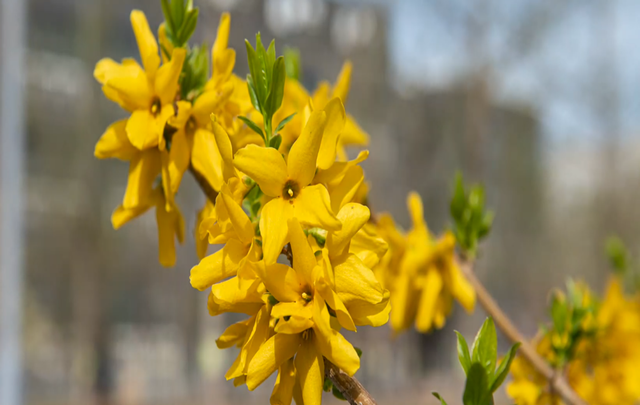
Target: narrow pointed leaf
x,y
503,368
463,353
252,125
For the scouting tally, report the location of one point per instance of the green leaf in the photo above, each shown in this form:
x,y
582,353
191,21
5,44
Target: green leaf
x,y
188,27
292,63
166,10
336,393
275,142
252,125
617,254
458,201
359,351
463,352
254,69
476,390
260,76
485,346
276,93
271,53
284,122
442,401
328,385
252,94
177,12
189,6
503,368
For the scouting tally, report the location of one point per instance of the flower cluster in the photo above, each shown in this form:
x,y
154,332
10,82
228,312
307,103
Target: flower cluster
x,y
421,272
596,343
275,191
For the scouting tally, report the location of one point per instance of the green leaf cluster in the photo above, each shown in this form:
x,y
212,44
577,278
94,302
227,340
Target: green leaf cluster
x,y
568,315
266,89
181,19
617,254
484,374
328,384
292,63
252,201
471,221
195,73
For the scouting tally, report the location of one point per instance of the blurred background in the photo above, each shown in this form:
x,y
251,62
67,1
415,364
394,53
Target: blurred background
x,y
537,99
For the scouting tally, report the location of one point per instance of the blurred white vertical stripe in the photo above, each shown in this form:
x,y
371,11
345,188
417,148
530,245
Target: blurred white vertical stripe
x,y
12,168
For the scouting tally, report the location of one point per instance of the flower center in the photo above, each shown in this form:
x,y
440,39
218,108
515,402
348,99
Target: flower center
x,y
156,106
307,297
291,190
306,334
191,125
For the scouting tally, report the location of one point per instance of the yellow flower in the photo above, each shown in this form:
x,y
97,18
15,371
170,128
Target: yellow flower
x,y
422,274
288,183
148,94
304,327
240,245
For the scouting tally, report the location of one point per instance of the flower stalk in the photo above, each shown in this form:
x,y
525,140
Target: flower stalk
x,y
349,387
556,380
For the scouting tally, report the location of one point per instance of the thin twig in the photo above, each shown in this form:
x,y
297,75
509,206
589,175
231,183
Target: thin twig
x,y
507,327
349,387
207,188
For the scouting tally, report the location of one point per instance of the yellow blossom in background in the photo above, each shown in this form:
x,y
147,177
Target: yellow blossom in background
x,y
422,274
603,368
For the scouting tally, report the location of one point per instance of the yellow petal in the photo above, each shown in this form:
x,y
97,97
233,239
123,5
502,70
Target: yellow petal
x,y
146,43
178,159
335,123
303,258
233,335
304,152
312,207
356,282
341,88
273,227
332,344
106,69
142,130
222,37
226,151
241,222
403,302
206,158
275,351
258,334
122,215
428,300
234,295
114,143
336,304
344,192
293,324
414,202
300,308
211,101
367,314
170,227
264,165
310,370
218,266
283,389
280,280
166,47
460,287
166,84
131,92
143,170
353,217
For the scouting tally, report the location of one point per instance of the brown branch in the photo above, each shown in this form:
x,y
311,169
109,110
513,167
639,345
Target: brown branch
x,y
207,188
349,387
557,381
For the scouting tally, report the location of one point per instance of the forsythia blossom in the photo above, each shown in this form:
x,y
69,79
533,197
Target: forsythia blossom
x,y
602,366
290,190
421,272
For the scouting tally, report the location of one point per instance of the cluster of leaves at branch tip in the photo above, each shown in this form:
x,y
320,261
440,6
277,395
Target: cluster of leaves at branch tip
x,y
570,315
483,377
617,254
471,221
292,63
328,384
181,19
266,89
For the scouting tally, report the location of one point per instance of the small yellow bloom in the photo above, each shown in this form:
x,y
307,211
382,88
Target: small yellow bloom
x,y
148,94
289,184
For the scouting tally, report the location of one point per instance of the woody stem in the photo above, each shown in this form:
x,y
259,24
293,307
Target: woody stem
x,y
557,381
